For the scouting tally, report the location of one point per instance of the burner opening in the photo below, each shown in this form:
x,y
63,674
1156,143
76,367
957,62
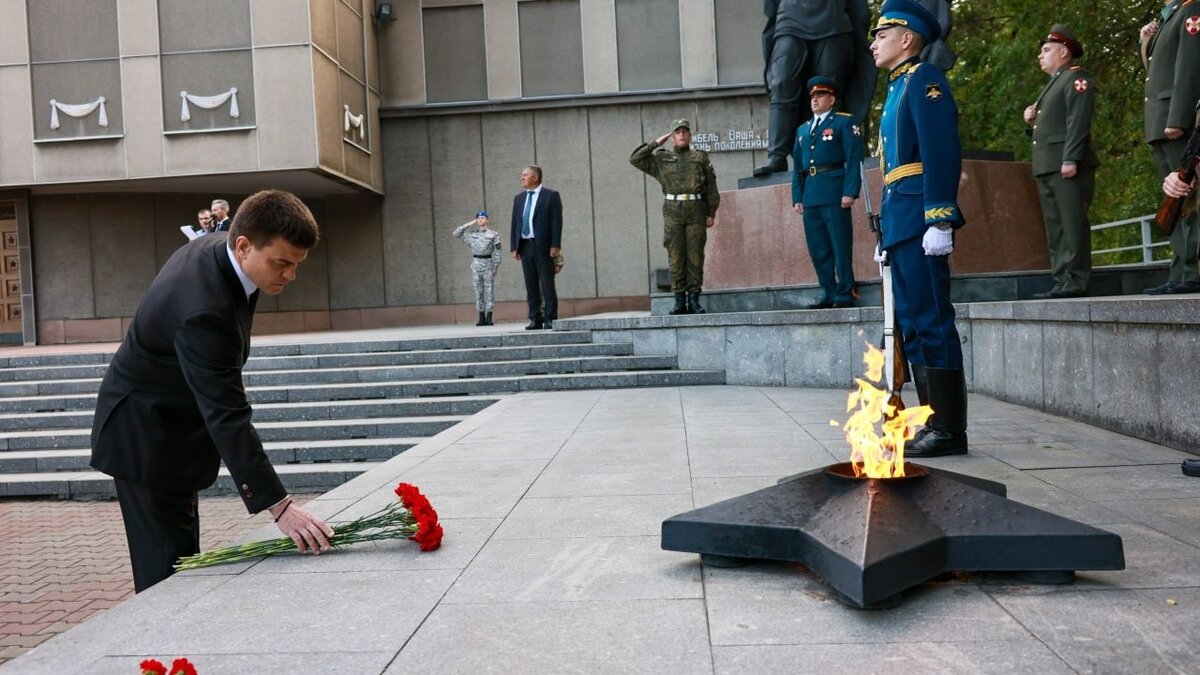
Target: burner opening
x,y
845,471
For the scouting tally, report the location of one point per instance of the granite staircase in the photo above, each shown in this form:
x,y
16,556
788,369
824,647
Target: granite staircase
x,y
326,411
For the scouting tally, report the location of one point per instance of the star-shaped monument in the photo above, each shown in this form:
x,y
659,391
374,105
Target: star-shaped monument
x,y
873,538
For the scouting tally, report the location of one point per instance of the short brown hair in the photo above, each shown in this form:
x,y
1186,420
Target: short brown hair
x,y
269,214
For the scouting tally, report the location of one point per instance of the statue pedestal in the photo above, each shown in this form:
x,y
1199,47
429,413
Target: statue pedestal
x,y
758,239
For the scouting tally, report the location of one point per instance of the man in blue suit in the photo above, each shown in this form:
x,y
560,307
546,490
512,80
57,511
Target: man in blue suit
x,y
921,162
536,238
825,183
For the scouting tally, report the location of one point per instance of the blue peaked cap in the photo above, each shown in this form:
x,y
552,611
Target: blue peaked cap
x,y
822,84
910,15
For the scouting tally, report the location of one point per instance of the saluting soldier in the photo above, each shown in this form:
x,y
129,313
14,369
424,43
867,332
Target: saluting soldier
x,y
1171,54
825,183
1065,161
690,201
921,161
486,249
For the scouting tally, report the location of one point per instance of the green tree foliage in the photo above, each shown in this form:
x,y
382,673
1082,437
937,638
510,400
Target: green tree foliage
x,y
997,76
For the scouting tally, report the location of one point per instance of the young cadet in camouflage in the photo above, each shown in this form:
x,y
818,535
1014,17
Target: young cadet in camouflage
x,y
1064,161
690,201
485,250
1171,54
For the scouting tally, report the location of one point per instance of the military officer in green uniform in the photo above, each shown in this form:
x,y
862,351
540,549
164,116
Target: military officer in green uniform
x,y
825,183
1171,54
1064,161
690,201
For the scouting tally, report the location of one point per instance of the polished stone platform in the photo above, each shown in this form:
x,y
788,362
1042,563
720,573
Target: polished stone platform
x,y
553,503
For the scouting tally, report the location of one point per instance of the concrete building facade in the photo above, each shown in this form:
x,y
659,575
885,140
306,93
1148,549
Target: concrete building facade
x,y
395,121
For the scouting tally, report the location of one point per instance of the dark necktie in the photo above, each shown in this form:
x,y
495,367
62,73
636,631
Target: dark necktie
x,y
527,216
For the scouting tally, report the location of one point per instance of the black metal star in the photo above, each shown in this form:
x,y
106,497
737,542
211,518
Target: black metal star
x,y
873,538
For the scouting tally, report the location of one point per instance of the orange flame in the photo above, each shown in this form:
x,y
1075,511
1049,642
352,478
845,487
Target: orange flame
x,y
879,454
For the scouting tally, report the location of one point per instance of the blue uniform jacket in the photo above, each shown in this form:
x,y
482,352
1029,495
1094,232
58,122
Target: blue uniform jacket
x,y
919,125
836,141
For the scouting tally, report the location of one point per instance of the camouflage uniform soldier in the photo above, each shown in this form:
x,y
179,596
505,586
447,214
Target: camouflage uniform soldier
x,y
486,249
690,195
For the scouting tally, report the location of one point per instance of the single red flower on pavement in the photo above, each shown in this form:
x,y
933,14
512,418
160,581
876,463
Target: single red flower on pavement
x,y
182,667
152,667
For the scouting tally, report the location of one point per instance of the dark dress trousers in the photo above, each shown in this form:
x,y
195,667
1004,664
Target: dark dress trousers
x,y
536,262
172,406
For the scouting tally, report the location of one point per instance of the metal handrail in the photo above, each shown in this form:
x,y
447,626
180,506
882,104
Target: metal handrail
x,y
1147,245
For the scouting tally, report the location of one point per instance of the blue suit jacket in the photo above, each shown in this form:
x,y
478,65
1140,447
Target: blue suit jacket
x,y
547,220
919,124
837,140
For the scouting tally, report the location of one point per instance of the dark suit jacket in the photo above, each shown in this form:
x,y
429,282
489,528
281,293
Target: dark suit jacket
x,y
547,220
172,403
222,225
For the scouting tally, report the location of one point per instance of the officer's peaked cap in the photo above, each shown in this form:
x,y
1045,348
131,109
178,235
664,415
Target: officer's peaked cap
x,y
822,85
681,122
910,15
1061,34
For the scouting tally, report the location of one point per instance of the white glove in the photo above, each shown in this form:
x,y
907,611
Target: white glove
x,y
880,256
937,241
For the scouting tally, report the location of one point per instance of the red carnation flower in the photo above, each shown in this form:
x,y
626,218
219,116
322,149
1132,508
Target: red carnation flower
x,y
429,535
152,667
182,667
408,494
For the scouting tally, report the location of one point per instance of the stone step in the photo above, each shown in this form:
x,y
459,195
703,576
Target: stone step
x,y
72,359
487,385
348,429
280,453
44,372
517,338
49,403
274,412
441,356
379,374
92,484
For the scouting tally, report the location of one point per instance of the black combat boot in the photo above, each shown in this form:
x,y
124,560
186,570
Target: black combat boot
x,y
946,431
921,384
487,319
693,303
680,304
782,121
482,320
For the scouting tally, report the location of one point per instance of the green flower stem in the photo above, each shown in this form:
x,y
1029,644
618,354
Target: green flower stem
x,y
390,522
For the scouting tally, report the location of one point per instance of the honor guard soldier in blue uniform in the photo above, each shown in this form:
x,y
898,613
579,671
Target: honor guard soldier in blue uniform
x,y
825,183
921,160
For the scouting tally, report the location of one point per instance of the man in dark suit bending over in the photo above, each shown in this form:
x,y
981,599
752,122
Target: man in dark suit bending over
x,y
172,404
535,239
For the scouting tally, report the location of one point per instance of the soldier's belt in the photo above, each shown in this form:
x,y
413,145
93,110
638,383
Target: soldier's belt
x,y
485,257
903,171
822,168
681,198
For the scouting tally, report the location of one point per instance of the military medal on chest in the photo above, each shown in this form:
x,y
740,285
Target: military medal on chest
x,y
827,134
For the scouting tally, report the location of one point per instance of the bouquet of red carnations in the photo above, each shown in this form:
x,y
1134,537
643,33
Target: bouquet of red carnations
x,y
411,518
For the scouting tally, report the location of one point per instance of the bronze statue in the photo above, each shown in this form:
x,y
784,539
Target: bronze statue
x,y
808,38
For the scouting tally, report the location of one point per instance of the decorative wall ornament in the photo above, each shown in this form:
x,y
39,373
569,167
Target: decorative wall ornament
x,y
210,103
352,121
77,110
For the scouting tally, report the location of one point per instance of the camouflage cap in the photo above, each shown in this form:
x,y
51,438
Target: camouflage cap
x,y
681,122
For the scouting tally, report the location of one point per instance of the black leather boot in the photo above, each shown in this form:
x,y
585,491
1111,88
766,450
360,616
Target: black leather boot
x,y
946,431
680,304
782,121
487,319
482,320
693,303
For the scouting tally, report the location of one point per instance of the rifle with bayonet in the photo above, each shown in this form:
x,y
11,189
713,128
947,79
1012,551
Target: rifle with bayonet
x,y
1174,208
895,366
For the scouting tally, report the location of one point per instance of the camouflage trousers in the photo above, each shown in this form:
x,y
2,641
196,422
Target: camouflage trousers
x,y
685,242
484,280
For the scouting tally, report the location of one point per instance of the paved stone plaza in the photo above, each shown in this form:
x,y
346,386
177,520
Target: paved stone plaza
x,y
552,503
